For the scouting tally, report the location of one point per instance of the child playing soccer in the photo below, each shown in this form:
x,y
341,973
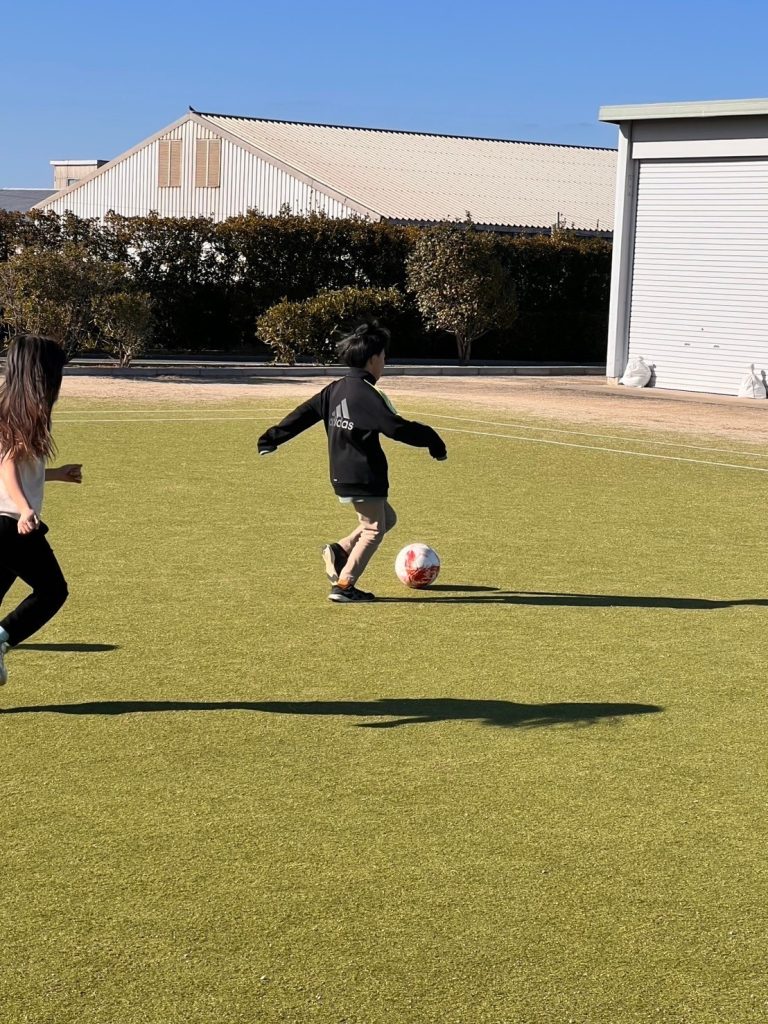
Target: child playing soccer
x,y
27,396
355,413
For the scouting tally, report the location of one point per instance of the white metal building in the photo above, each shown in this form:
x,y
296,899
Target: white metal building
x,y
689,289
220,166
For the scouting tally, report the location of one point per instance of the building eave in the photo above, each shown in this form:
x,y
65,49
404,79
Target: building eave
x,y
681,111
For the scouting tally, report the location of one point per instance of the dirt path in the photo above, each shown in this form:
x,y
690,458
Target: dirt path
x,y
564,399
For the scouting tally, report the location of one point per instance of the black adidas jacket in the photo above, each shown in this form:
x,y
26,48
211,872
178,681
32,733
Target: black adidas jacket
x,y
354,414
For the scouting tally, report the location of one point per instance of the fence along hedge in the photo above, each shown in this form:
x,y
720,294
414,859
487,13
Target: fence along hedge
x,y
209,283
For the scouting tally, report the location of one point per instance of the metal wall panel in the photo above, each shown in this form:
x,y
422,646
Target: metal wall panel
x,y
247,182
699,296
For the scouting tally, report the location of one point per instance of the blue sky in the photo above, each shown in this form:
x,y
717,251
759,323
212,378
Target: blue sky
x,y
90,79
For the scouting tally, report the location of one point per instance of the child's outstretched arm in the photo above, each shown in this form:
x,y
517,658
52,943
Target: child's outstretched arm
x,y
72,473
384,419
295,422
418,435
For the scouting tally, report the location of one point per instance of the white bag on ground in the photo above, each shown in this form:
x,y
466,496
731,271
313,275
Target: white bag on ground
x,y
752,386
637,373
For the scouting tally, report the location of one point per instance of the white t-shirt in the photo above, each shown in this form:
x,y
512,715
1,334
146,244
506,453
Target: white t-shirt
x,y
32,474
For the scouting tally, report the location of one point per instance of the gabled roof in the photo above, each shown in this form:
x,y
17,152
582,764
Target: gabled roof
x,y
19,200
423,178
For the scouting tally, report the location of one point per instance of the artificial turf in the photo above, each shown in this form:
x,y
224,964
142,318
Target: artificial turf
x,y
533,794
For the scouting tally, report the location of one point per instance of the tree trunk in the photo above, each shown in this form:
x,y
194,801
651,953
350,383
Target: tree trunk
x,y
465,349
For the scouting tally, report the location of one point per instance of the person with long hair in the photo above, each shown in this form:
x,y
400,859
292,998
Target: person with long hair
x,y
28,393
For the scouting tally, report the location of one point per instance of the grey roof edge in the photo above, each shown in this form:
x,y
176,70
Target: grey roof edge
x,y
677,111
403,131
21,200
497,226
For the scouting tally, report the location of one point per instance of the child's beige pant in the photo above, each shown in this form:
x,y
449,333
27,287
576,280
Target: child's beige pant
x,y
375,518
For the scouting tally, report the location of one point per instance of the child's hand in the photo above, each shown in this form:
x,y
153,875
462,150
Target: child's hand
x,y
28,521
72,473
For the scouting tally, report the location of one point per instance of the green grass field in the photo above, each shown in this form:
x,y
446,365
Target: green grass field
x,y
533,795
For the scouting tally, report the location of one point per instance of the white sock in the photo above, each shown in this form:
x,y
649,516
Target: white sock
x,y
4,638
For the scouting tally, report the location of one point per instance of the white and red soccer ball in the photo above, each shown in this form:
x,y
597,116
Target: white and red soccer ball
x,y
417,566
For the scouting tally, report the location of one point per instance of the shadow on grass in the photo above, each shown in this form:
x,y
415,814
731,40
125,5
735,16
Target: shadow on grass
x,y
403,711
461,589
79,648
555,599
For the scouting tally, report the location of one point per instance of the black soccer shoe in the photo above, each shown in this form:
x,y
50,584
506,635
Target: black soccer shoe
x,y
349,595
335,559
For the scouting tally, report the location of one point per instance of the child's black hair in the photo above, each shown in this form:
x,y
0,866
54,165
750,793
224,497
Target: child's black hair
x,y
368,339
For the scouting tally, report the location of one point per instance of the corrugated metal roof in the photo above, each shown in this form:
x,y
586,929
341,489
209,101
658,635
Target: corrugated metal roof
x,y
417,177
19,200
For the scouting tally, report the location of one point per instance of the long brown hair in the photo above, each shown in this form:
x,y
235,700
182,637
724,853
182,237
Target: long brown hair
x,y
33,372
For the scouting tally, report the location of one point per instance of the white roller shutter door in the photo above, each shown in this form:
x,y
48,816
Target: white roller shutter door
x,y
699,306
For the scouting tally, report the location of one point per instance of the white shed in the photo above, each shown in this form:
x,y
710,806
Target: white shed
x,y
689,289
219,166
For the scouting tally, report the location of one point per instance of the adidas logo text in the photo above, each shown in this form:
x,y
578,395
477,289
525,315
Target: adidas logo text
x,y
340,417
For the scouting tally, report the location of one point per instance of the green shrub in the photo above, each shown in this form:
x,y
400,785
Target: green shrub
x,y
123,320
310,328
559,271
209,282
68,295
174,261
460,284
563,286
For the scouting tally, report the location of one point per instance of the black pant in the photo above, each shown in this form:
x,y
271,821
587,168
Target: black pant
x,y
29,558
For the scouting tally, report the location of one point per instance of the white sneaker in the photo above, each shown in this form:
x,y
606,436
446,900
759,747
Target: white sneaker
x,y
3,670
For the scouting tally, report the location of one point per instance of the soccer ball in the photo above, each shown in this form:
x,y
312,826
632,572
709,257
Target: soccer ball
x,y
417,566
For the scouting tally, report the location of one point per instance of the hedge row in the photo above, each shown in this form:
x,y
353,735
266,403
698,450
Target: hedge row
x,y
208,283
